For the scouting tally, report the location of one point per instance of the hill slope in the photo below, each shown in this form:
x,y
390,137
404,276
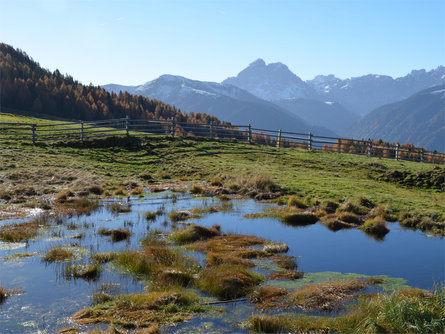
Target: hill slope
x,y
419,119
224,101
331,115
25,85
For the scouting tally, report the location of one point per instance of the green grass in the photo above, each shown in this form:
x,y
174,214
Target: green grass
x,y
111,162
408,310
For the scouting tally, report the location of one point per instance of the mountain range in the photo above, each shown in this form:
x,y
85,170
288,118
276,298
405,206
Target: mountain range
x,y
419,119
225,101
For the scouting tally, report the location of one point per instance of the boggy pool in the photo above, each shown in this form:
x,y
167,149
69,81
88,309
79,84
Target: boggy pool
x,y
45,299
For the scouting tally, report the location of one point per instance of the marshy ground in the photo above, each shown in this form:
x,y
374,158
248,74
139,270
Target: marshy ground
x,y
184,235
177,275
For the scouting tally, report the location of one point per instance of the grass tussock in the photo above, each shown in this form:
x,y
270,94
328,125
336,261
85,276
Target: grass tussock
x,y
85,271
299,218
150,262
116,235
216,259
335,225
351,207
176,216
326,296
294,201
376,226
102,257
96,189
263,323
286,274
228,281
3,294
267,296
196,190
19,232
193,233
350,218
58,254
285,262
143,311
79,206
408,310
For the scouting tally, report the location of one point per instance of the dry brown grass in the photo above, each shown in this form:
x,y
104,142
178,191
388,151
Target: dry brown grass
x,y
326,296
267,296
3,294
19,232
58,254
286,274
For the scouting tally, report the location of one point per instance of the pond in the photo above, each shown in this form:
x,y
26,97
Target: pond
x,y
45,298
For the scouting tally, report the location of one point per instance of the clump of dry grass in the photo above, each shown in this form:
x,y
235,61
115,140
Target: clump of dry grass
x,y
79,206
176,216
143,311
116,235
376,226
228,281
335,225
286,274
216,259
196,190
350,206
350,218
96,189
262,323
326,296
58,254
285,262
294,201
85,271
299,218
267,296
19,232
103,257
120,191
3,294
193,233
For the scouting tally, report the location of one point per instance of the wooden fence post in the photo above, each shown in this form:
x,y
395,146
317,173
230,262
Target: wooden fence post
x,y
81,132
211,129
126,126
339,146
172,130
33,134
249,134
310,141
279,139
369,147
421,154
397,151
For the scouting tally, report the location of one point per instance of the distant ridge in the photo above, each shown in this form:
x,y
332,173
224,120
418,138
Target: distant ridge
x,y
419,119
225,101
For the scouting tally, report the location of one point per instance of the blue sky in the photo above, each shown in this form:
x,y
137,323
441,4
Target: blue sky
x,y
131,42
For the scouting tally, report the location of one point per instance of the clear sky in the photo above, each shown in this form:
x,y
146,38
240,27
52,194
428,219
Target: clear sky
x,y
131,42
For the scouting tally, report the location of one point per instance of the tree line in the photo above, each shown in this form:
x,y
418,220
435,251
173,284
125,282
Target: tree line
x,y
25,85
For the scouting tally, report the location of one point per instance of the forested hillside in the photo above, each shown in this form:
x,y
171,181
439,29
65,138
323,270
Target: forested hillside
x,y
25,85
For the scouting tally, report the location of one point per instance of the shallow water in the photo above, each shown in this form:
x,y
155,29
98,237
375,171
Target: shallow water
x,y
48,299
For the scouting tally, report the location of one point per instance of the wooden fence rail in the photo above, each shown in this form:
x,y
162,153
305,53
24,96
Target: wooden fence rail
x,y
281,139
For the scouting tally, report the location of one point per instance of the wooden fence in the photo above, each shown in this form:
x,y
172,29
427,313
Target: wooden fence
x,y
280,139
